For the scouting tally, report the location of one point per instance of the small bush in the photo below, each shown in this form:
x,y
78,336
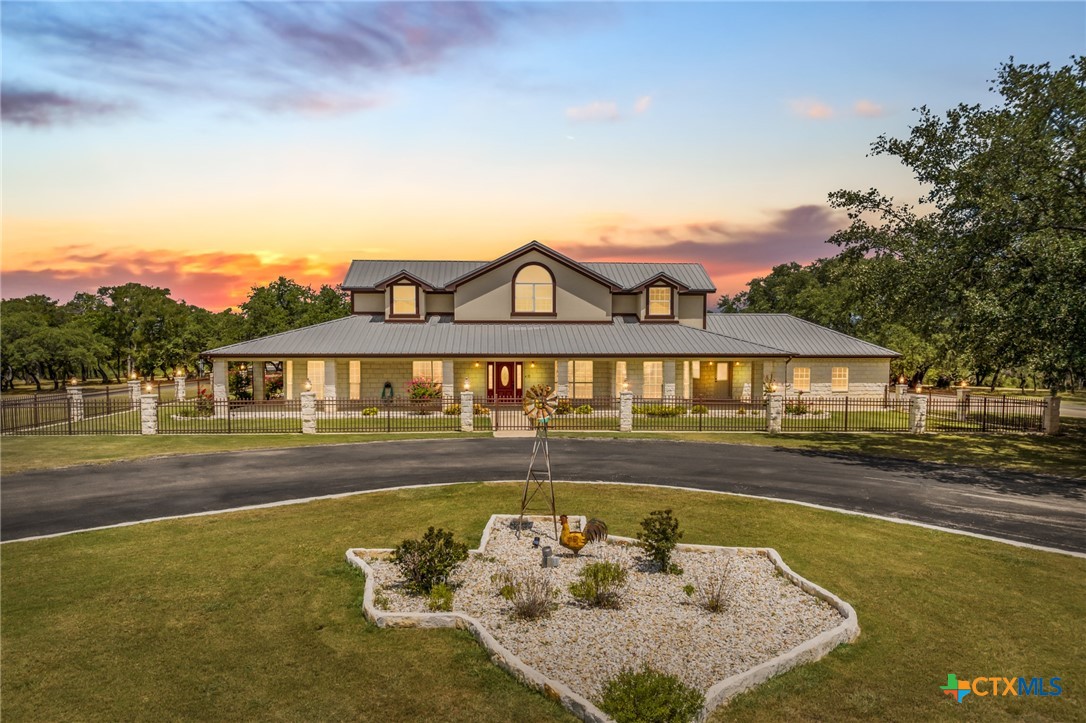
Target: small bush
x,y
452,410
649,696
370,412
380,600
713,594
563,407
742,411
659,410
699,409
481,411
441,598
583,409
601,585
428,562
798,409
531,593
658,537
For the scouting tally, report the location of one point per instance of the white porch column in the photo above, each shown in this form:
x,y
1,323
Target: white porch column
x,y
149,414
467,412
561,379
309,412
330,385
448,382
218,380
774,412
75,396
625,412
179,387
258,380
669,380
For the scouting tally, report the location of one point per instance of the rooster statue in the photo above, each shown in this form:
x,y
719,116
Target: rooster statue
x,y
595,530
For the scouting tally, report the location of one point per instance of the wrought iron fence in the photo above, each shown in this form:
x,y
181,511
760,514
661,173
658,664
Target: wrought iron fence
x,y
387,415
588,414
698,415
975,413
845,414
205,416
60,415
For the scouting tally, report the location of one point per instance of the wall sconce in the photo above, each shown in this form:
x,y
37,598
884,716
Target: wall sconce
x,y
476,365
467,384
308,385
533,365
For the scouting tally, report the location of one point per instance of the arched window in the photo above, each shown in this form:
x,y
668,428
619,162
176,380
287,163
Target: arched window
x,y
533,290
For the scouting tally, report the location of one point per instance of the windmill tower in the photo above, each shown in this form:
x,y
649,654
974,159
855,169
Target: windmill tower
x,y
540,402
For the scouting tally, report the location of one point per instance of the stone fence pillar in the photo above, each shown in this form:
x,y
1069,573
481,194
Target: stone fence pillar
x,y
1050,419
625,412
148,414
179,387
964,403
75,406
918,413
309,412
900,389
467,412
134,392
774,412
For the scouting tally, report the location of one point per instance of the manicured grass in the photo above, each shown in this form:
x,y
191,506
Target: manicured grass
x,y
19,454
1062,454
254,615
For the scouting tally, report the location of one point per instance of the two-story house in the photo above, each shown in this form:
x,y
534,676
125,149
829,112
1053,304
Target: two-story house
x,y
537,316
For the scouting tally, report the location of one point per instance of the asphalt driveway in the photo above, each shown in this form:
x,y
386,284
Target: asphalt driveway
x,y
1041,510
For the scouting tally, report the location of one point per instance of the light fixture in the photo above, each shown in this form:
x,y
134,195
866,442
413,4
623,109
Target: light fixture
x,y
132,375
308,385
963,384
73,382
467,384
179,372
533,365
901,379
625,385
476,365
147,387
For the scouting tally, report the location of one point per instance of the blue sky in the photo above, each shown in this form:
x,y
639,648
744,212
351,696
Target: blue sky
x,y
208,147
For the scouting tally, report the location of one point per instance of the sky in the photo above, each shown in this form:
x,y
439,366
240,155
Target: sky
x,y
208,147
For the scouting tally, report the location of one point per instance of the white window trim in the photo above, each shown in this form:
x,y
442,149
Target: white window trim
x,y
670,302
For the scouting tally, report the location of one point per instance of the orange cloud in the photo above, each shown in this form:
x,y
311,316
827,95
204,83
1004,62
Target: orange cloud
x,y
811,108
214,279
597,110
868,109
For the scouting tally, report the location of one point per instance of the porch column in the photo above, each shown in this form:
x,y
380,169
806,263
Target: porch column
x,y
330,385
561,379
448,382
258,380
669,380
218,380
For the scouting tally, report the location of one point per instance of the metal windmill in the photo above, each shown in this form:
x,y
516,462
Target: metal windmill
x,y
540,402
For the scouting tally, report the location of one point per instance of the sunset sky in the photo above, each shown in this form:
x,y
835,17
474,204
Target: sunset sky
x,y
209,147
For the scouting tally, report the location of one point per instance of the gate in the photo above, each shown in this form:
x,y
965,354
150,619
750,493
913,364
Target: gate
x,y
507,414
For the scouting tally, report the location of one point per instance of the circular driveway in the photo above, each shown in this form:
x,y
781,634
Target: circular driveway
x,y
1036,509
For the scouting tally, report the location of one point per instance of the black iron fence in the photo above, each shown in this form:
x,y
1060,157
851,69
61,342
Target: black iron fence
x,y
205,416
698,415
974,413
387,415
61,415
845,414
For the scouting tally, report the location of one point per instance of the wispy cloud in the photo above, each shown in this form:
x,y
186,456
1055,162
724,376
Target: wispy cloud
x,y
25,106
214,280
811,108
732,253
868,109
643,103
598,110
278,56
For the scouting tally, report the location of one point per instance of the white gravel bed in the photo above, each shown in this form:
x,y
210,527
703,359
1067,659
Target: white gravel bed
x,y
658,623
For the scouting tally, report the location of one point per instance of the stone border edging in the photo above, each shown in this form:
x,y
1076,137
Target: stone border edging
x,y
817,647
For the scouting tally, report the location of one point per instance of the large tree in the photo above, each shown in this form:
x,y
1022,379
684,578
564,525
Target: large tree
x,y
993,255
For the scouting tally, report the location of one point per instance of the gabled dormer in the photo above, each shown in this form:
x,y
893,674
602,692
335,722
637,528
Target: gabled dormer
x,y
404,299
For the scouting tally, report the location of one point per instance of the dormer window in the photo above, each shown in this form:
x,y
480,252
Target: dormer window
x,y
533,290
405,300
660,302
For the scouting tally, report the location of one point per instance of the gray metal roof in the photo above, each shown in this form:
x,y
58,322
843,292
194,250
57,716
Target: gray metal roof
x,y
366,274
799,337
370,335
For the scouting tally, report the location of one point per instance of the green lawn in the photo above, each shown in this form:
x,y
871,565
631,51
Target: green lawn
x,y
255,615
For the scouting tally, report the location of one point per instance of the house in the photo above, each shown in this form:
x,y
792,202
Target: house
x,y
537,316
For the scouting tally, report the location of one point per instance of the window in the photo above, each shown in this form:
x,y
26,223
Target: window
x,y
288,380
839,379
686,380
653,385
722,371
354,378
801,379
428,369
314,372
579,374
620,377
695,369
660,301
405,300
533,290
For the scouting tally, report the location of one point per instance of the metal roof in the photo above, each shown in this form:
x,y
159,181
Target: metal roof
x,y
367,274
799,337
439,336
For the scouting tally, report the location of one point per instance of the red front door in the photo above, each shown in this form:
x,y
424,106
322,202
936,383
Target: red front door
x,y
504,380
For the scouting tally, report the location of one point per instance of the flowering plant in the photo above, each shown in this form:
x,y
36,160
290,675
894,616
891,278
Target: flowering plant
x,y
423,388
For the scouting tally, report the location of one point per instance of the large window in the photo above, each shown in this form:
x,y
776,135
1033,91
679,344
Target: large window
x,y
801,379
722,371
428,369
620,377
354,377
288,379
314,372
839,379
579,374
533,290
660,301
653,384
405,300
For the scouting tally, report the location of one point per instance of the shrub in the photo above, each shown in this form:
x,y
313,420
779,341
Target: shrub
x,y
370,412
742,411
452,410
660,410
531,593
583,409
658,537
601,585
428,562
713,594
649,696
441,598
797,409
699,409
481,411
423,388
380,600
563,407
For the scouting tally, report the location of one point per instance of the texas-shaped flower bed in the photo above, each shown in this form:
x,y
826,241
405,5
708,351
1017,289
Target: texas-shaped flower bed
x,y
772,619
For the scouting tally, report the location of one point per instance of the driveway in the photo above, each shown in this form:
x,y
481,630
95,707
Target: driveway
x,y
1042,510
